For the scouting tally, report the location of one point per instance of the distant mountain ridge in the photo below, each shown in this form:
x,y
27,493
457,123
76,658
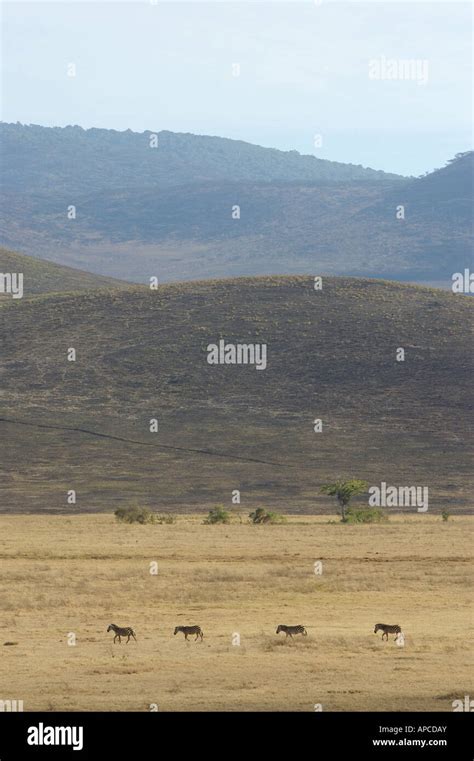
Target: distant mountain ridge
x,y
75,159
200,207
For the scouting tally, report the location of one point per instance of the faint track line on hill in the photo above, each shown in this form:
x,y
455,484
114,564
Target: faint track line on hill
x,y
206,452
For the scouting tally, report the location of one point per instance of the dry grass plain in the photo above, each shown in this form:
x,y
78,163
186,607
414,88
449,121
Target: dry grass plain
x,y
64,574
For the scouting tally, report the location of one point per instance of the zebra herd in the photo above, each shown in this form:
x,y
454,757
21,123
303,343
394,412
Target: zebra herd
x,y
387,629
290,630
187,630
127,631
122,631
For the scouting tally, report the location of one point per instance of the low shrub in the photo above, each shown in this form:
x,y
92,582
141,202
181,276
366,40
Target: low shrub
x,y
365,515
263,516
134,515
217,515
169,518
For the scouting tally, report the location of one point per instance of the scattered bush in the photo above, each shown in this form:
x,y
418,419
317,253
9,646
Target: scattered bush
x,y
445,515
344,491
217,515
365,515
169,518
134,515
263,516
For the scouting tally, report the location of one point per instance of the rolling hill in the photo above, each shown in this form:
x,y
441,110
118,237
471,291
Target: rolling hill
x,y
40,276
168,211
142,355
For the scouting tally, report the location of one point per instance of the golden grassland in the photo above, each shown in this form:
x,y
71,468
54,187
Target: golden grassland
x,y
77,574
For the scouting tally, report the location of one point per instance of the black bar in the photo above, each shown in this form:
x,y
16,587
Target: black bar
x,y
446,735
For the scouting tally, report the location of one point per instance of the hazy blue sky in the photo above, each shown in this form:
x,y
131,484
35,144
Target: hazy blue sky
x,y
304,70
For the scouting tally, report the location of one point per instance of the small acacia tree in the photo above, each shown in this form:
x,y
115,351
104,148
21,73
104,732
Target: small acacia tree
x,y
344,491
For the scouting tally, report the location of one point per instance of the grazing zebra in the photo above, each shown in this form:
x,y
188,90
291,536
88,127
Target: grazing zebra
x,y
126,631
290,630
388,629
190,630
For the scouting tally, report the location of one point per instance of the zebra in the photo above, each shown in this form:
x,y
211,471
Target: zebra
x,y
190,630
388,629
126,631
290,630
